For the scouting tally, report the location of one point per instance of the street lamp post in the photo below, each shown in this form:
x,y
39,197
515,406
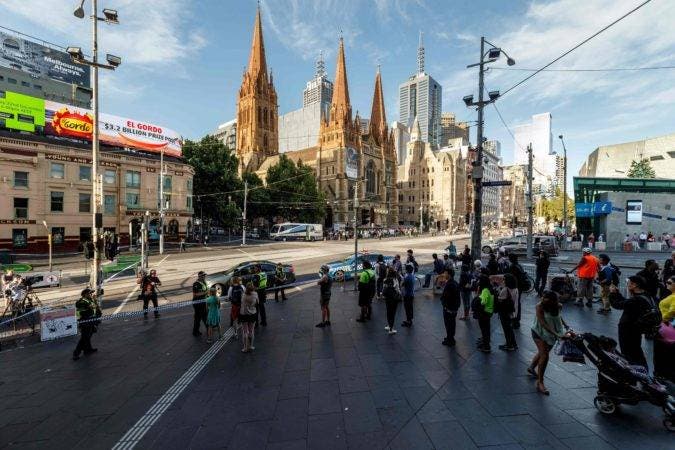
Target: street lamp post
x,y
49,242
564,186
110,17
477,176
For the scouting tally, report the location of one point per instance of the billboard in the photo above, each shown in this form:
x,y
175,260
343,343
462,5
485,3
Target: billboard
x,y
71,121
21,112
40,61
351,163
634,212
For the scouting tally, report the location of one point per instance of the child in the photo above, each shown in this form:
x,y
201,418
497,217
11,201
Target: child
x,y
234,294
213,317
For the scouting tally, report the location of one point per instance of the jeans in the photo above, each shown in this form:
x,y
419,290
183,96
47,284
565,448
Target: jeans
x,y
261,314
146,299
507,327
408,306
380,284
516,321
449,320
200,316
427,279
466,300
484,324
392,306
540,282
84,344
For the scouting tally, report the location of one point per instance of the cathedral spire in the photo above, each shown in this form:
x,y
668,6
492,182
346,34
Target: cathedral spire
x,y
340,102
378,117
415,131
256,61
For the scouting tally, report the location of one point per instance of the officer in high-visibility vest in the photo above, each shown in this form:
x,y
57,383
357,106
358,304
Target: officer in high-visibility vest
x,y
86,309
199,291
260,283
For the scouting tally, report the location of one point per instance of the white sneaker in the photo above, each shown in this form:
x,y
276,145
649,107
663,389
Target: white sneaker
x,y
392,331
386,328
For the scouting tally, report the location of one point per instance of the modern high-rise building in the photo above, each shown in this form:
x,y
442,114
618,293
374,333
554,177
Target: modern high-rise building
x,y
451,129
421,96
227,133
401,139
319,89
559,172
537,133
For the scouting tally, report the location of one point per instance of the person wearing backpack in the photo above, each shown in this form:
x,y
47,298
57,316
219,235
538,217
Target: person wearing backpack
x,y
234,294
523,283
411,261
607,275
392,297
634,319
651,275
381,271
408,295
366,291
451,301
505,306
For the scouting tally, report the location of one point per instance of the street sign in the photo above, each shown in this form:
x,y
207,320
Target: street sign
x,y
497,183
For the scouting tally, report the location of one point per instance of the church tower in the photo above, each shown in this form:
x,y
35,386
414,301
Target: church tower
x,y
257,109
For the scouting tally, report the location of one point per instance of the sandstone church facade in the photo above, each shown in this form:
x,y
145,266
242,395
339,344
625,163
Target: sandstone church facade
x,y
345,157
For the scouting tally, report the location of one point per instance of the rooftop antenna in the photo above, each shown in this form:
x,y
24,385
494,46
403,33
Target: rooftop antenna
x,y
320,66
420,55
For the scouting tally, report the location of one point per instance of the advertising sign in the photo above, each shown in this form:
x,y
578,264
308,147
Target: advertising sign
x,y
583,209
351,163
634,212
56,323
70,121
21,112
40,61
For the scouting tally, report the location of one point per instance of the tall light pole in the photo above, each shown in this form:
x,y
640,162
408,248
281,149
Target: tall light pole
x,y
161,202
110,17
49,242
564,186
477,176
530,206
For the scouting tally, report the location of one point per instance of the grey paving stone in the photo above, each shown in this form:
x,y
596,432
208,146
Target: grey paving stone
x,y
594,442
324,397
418,396
367,441
448,435
412,436
211,436
250,435
434,411
528,432
300,444
359,413
327,431
294,384
569,430
323,369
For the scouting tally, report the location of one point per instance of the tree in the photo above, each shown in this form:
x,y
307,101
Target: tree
x,y
215,176
641,169
294,193
552,208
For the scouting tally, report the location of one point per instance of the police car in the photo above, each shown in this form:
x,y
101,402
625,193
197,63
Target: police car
x,y
345,269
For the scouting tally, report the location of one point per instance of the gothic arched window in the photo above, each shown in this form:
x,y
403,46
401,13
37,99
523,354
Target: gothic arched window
x,y
370,177
265,142
265,116
259,115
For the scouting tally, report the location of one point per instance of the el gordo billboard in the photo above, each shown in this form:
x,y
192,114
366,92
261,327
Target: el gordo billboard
x,y
70,121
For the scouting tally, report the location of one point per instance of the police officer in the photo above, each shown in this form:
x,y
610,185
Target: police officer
x,y
366,291
260,283
149,285
199,292
87,309
279,280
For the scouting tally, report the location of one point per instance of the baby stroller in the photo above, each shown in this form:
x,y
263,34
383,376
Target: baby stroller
x,y
620,382
564,285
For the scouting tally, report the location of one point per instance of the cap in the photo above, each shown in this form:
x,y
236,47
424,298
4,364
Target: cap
x,y
200,273
587,250
86,291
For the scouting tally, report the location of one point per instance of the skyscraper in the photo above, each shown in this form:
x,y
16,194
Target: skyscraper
x,y
451,129
319,89
537,133
421,96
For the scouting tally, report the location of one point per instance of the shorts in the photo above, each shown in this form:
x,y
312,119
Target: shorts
x,y
246,318
324,301
536,337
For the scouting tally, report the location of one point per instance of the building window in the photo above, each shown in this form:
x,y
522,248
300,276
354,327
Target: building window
x,y
132,200
19,237
21,179
56,201
85,173
85,203
133,179
85,234
20,208
109,204
109,176
189,186
37,86
57,170
58,234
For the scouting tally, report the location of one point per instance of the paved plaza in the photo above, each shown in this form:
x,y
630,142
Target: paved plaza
x,y
346,386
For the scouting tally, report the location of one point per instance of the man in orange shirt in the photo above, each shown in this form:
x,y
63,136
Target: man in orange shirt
x,y
587,271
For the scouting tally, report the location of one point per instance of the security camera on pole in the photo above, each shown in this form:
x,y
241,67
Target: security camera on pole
x,y
109,17
477,176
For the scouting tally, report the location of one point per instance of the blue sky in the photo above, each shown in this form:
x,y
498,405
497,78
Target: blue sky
x,y
183,59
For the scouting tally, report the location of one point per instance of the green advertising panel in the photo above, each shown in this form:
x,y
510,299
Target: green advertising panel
x,y
21,112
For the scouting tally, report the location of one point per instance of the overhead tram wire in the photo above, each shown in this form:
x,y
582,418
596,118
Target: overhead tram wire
x,y
610,69
576,47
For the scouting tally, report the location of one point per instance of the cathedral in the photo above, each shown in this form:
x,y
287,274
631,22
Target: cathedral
x,y
350,161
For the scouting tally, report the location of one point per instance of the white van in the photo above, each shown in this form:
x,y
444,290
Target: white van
x,y
297,231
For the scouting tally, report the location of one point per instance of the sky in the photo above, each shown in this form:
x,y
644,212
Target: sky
x,y
183,60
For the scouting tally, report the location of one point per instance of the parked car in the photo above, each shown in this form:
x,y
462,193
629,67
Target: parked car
x,y
518,245
346,268
221,280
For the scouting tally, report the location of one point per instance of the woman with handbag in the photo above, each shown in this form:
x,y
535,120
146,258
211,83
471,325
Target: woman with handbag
x,y
547,328
391,291
483,307
506,309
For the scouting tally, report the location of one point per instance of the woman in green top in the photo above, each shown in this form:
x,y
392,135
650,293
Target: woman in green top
x,y
485,292
547,328
213,317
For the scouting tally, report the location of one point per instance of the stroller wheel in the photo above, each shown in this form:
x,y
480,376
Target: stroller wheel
x,y
605,404
668,423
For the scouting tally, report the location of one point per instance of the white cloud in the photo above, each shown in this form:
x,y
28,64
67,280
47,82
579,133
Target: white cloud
x,y
151,33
